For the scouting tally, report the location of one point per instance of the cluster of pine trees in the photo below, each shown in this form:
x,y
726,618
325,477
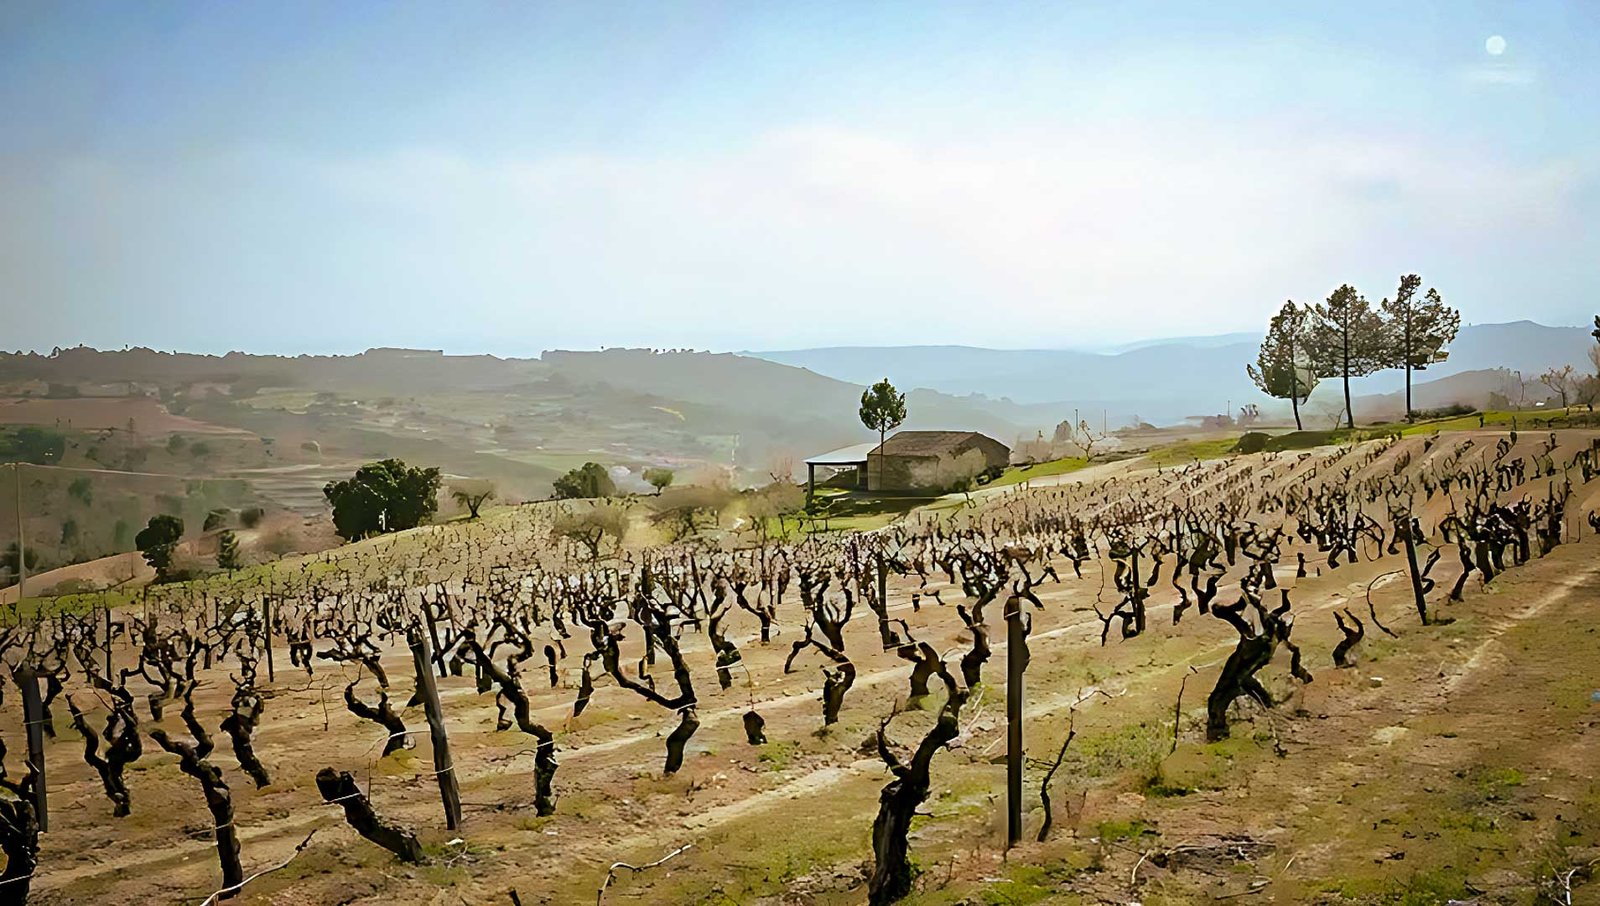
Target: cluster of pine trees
x,y
1346,336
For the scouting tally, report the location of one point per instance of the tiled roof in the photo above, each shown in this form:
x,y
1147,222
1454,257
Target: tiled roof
x,y
924,443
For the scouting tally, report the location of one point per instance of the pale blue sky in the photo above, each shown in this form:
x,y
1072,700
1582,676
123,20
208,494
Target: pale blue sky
x,y
284,177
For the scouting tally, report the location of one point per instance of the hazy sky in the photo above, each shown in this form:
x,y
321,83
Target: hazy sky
x,y
510,177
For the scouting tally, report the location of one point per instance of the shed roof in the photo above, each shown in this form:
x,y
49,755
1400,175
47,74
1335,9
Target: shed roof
x,y
855,454
924,443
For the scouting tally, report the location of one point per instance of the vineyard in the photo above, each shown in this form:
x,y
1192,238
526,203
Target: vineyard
x,y
1358,673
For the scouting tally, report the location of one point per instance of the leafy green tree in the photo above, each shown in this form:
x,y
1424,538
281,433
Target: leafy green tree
x,y
883,409
157,541
1417,332
1347,340
658,478
587,481
82,490
1282,369
228,557
386,496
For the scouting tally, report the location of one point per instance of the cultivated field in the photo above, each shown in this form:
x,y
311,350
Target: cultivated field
x,y
1452,759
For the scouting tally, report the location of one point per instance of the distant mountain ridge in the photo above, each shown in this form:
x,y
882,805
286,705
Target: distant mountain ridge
x,y
1161,380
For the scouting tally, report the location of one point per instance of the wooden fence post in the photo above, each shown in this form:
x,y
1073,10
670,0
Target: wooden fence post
x,y
33,713
449,789
106,605
1016,661
266,629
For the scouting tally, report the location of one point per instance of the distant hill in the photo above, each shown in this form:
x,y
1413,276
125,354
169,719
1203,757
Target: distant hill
x,y
799,410
520,421
1472,388
1161,381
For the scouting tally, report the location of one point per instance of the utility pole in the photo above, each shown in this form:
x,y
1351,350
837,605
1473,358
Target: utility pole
x,y
22,548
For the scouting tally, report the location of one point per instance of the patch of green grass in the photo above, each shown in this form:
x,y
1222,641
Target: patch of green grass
x,y
1118,831
1023,884
1422,888
777,755
1019,474
1138,746
1193,768
1190,450
850,511
1494,783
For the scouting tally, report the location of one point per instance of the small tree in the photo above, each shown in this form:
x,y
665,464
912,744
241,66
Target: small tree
x,y
1417,332
588,481
1561,382
471,495
157,541
591,527
1586,392
1513,389
1086,438
1282,370
1347,340
680,510
228,557
778,500
883,409
659,478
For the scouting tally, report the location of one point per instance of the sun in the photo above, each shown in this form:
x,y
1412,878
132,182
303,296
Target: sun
x,y
1496,45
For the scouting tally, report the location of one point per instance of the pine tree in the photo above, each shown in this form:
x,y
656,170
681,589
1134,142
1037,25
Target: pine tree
x,y
1282,370
883,409
1417,332
1347,340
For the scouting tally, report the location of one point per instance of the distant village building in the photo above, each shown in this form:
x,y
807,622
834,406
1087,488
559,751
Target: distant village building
x,y
907,461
